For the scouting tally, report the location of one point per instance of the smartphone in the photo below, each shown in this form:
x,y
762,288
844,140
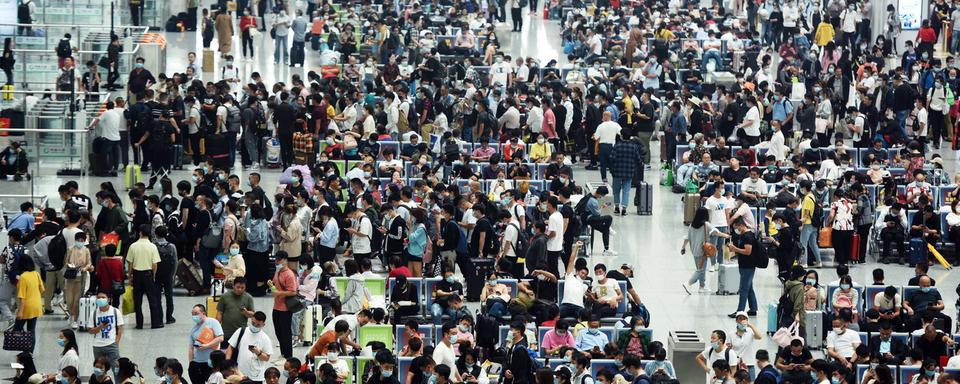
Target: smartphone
x,y
250,347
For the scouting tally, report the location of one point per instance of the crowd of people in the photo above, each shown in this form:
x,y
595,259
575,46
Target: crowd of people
x,y
418,149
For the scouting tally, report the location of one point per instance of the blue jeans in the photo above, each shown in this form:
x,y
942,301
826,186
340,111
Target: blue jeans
x,y
570,310
955,42
719,242
808,242
280,47
714,55
621,190
746,289
699,275
497,309
902,120
437,311
604,155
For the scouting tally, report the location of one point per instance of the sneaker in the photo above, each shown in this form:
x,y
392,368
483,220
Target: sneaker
x,y
47,311
686,288
171,320
703,290
647,167
733,315
616,211
612,232
608,252
752,313
713,268
74,325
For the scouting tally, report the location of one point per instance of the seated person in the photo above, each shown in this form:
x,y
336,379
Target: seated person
x,y
540,151
605,293
888,304
557,338
735,173
513,149
328,340
685,170
794,362
490,171
404,298
591,340
13,161
925,301
846,297
705,167
598,221
875,154
886,348
494,297
720,153
339,365
919,187
754,187
390,163
933,343
484,151
842,342
412,148
445,293
411,332
772,174
893,230
877,173
925,226
465,337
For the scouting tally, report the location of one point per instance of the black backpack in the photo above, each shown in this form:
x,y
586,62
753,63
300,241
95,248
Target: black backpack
x,y
63,49
759,254
817,219
23,13
57,250
522,243
487,331
581,208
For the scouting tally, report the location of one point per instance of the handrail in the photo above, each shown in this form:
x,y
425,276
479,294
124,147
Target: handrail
x,y
92,26
15,91
136,47
40,130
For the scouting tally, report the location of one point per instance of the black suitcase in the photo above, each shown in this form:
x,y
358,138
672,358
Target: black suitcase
x,y
482,267
177,156
643,199
218,150
98,158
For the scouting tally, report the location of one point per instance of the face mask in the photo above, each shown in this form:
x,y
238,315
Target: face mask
x,y
254,329
452,339
104,204
930,372
741,327
61,342
873,365
195,179
367,174
234,251
838,330
813,375
593,331
168,379
811,282
491,282
844,286
834,380
450,279
210,363
196,319
924,289
432,379
540,141
463,328
79,245
332,356
138,65
285,375
714,345
97,371
102,302
563,180
386,373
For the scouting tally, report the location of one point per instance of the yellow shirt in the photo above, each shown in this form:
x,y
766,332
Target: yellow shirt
x,y
806,209
142,255
628,108
30,290
540,151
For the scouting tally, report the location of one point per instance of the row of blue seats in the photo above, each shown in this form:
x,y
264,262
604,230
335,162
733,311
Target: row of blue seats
x,y
433,333
357,365
902,374
425,288
857,155
867,294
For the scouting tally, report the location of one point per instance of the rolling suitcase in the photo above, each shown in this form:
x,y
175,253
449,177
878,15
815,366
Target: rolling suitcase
x,y
691,202
728,279
177,156
312,317
218,150
273,152
772,323
855,248
813,329
131,176
98,159
212,302
643,199
189,275
917,252
88,312
483,267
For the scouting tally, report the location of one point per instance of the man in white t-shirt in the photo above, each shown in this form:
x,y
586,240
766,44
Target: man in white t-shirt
x,y
575,287
360,233
108,330
108,125
717,206
555,231
754,187
743,340
842,342
717,350
751,124
253,346
500,73
443,353
606,293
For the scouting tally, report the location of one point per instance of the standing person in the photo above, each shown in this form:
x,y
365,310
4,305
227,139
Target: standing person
x,y
224,26
205,337
251,348
108,330
109,124
516,15
7,60
699,232
810,231
143,258
606,133
77,268
285,285
29,301
284,114
136,11
235,307
745,244
299,28
207,29
626,159
281,28
743,341
519,367
113,62
248,23
841,220
166,270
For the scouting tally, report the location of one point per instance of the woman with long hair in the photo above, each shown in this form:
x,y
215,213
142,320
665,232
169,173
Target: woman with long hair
x,y
29,368
29,298
70,356
699,233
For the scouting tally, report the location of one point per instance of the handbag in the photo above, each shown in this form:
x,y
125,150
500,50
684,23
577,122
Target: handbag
x,y
785,335
117,288
71,273
294,303
709,249
17,340
825,237
104,62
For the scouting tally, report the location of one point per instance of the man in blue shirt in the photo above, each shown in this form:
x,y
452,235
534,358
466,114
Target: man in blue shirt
x,y
206,335
782,108
24,220
598,221
591,339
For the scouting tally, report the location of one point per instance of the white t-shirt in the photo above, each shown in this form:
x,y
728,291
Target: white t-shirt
x,y
759,186
607,132
607,290
443,354
573,290
510,235
710,355
469,219
108,334
350,319
845,344
555,224
361,244
222,117
247,362
744,345
754,128
195,114
499,72
716,206
109,124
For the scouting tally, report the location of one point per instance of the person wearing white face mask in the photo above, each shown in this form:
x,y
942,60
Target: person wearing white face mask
x,y
717,350
443,353
842,343
742,341
77,266
205,337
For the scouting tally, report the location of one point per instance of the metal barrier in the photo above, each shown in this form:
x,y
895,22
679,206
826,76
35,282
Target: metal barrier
x,y
92,12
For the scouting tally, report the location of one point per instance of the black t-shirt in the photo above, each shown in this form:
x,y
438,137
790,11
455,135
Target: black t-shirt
x,y
446,286
734,176
615,274
567,212
789,358
741,241
483,226
646,125
544,289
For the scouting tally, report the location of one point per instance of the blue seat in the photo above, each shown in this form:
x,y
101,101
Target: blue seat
x,y
388,144
429,286
942,195
598,364
401,335
861,370
403,366
418,282
906,373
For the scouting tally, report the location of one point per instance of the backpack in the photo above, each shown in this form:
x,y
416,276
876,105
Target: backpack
x,y
63,49
581,208
535,363
660,378
759,254
240,233
492,244
575,224
642,379
17,252
520,248
463,244
403,122
784,310
57,250
168,253
213,237
773,373
23,13
233,119
817,219
168,204
261,119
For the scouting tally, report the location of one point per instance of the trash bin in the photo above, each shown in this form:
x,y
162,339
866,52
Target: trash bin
x,y
682,350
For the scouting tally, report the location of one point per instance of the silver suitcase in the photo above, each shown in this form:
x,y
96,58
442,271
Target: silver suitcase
x,y
312,316
813,327
728,279
88,312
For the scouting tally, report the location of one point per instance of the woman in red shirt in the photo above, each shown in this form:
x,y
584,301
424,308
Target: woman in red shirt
x,y
109,270
248,23
926,38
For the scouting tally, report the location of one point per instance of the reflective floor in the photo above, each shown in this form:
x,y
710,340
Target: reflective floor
x,y
651,243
